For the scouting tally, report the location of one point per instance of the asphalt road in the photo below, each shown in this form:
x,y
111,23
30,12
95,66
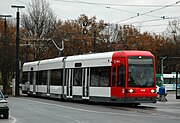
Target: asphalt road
x,y
35,110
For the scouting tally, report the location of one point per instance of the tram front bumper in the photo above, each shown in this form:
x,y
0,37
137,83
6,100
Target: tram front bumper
x,y
141,100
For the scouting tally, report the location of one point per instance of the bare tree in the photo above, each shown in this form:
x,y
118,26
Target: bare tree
x,y
174,30
40,19
39,22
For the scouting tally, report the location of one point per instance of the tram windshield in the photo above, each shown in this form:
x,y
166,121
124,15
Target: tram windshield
x,y
140,72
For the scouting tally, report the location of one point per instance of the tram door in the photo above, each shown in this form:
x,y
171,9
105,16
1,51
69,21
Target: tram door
x,y
48,82
27,84
118,78
32,78
85,83
69,83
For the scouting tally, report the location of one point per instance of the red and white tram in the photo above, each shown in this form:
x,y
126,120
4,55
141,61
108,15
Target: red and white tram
x,y
120,76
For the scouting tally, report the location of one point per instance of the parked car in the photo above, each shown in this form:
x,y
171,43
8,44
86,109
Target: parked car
x,y
4,109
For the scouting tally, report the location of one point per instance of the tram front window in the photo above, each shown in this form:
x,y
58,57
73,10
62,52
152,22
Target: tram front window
x,y
140,72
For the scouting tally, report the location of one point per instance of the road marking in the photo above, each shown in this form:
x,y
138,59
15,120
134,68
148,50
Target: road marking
x,y
78,109
14,119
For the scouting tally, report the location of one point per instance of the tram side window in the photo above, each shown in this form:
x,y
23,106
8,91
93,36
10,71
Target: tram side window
x,y
42,78
24,77
100,76
39,78
31,77
121,76
169,80
77,77
104,78
56,77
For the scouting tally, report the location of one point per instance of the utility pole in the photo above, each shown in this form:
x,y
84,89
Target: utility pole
x,y
17,50
5,24
5,69
162,67
162,64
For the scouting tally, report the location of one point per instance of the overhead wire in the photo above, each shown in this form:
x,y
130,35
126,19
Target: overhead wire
x,y
151,20
166,6
107,7
111,4
96,4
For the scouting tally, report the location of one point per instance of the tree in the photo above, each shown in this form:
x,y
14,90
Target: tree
x,y
171,47
71,32
173,31
39,23
7,53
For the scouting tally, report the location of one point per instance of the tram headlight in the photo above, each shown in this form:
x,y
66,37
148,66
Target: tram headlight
x,y
130,91
153,91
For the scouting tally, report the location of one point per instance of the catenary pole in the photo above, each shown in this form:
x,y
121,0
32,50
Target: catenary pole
x,y
17,80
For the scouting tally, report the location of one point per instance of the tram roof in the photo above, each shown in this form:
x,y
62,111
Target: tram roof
x,y
90,56
54,63
109,55
131,53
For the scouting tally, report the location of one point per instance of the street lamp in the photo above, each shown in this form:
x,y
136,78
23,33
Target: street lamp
x,y
5,25
162,66
17,50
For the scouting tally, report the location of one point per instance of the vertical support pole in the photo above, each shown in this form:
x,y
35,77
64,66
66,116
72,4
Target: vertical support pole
x,y
17,55
176,84
64,76
162,67
17,80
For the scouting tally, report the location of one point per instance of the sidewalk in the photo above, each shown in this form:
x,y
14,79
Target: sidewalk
x,y
171,98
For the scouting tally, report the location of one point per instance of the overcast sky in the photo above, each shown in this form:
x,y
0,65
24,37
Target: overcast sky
x,y
113,11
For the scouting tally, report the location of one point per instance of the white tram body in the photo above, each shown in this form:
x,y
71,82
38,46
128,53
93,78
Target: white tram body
x,y
84,62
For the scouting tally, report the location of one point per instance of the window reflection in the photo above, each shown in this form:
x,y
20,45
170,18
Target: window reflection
x,y
77,77
56,77
100,76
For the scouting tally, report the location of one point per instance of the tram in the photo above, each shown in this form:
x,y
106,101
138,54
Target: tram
x,y
117,77
168,80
